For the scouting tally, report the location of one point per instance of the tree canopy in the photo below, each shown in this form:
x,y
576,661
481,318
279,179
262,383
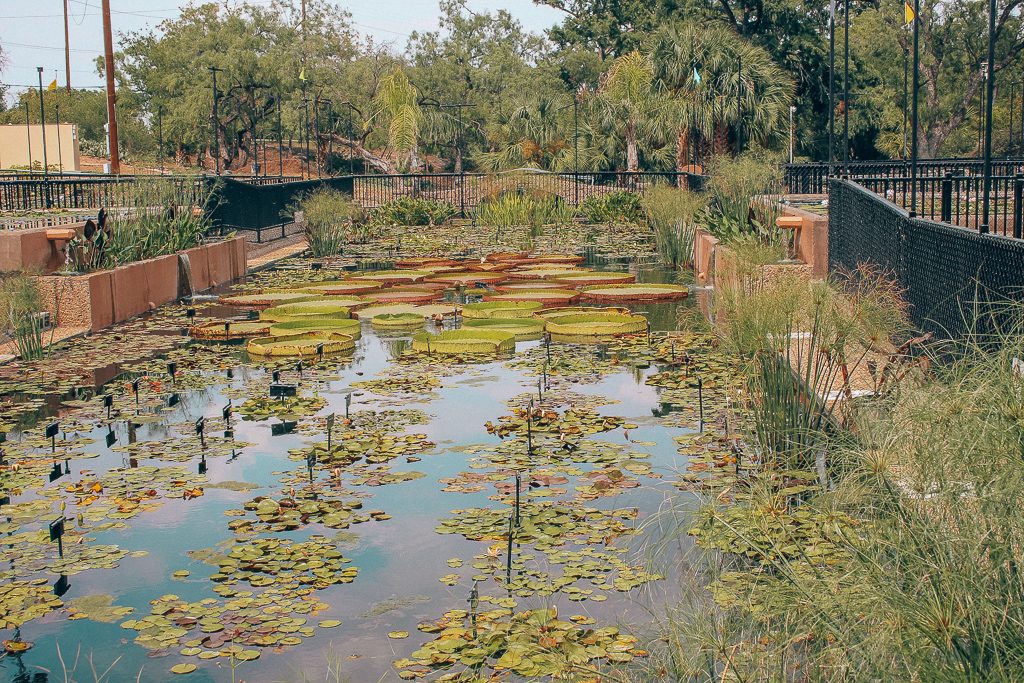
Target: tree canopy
x,y
616,84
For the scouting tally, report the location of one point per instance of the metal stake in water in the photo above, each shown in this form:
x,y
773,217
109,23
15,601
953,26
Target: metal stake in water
x,y
330,428
547,345
474,604
700,401
518,484
508,559
348,402
540,390
544,374
529,429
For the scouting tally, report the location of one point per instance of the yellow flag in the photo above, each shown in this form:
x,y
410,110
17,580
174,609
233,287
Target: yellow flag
x,y
52,86
908,14
302,74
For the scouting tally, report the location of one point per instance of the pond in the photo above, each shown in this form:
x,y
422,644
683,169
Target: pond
x,y
202,542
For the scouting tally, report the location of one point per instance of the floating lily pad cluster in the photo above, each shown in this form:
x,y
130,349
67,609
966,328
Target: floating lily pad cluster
x,y
574,422
534,643
287,514
544,524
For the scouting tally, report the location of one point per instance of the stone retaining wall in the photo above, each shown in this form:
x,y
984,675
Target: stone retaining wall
x,y
100,299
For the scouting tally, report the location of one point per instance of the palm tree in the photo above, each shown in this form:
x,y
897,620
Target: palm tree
x,y
396,105
699,64
630,97
537,133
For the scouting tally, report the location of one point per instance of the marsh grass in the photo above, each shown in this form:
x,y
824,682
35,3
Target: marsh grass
x,y
922,510
672,213
20,305
330,220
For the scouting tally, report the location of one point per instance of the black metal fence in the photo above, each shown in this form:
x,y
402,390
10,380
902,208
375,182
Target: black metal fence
x,y
946,271
812,178
33,192
236,205
465,191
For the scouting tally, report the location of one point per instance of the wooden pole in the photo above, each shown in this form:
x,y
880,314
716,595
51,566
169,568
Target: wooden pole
x,y
67,47
108,62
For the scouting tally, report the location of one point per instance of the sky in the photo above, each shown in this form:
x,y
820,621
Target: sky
x,y
32,32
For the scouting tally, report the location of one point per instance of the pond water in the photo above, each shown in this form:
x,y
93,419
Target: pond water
x,y
145,483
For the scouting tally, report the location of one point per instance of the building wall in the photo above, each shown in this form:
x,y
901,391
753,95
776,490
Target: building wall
x,y
14,146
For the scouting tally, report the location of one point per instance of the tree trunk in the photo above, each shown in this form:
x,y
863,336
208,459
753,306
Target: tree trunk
x,y
355,147
682,153
458,160
632,152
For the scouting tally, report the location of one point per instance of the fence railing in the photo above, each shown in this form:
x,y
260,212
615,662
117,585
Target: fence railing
x,y
947,273
465,191
958,200
34,192
812,178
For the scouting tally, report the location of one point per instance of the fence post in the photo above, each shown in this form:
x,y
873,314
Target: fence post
x,y
1018,210
947,197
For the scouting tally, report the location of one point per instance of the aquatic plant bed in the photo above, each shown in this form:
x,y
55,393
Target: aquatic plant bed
x,y
233,516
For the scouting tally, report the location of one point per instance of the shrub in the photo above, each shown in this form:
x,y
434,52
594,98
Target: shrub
x,y
330,219
619,206
672,213
735,185
413,211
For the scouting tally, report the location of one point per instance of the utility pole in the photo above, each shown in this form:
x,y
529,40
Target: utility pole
x,y
67,47
316,132
60,153
108,67
160,134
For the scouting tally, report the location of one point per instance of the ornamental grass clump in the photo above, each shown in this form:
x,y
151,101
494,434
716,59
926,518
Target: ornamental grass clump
x,y
802,343
330,220
20,305
673,214
519,208
412,211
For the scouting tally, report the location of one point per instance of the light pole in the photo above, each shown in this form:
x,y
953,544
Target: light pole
x,y
913,111
280,140
831,85
28,136
214,122
792,139
316,133
42,128
739,104
906,99
846,87
990,88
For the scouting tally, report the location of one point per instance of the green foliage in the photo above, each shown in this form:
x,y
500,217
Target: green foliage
x,y
330,220
510,209
20,305
158,217
673,213
396,107
744,202
413,211
619,206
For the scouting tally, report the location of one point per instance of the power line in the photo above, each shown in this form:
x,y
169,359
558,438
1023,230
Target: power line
x,y
50,47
